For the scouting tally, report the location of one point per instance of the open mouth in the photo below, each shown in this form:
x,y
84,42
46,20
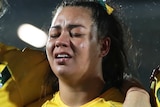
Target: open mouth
x,y
62,55
62,58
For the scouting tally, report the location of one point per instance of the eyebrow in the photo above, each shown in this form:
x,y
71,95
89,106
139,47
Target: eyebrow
x,y
57,27
70,26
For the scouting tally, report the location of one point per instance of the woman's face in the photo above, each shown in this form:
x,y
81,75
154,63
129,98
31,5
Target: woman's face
x,y
73,50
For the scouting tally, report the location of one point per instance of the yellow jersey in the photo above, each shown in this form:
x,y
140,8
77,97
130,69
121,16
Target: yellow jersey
x,y
155,87
110,98
21,77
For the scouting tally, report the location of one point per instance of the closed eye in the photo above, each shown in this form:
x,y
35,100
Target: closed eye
x,y
75,34
55,35
54,31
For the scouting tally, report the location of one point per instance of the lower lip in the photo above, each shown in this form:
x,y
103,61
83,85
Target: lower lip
x,y
62,61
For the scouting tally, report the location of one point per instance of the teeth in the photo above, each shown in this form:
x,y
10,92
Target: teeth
x,y
62,56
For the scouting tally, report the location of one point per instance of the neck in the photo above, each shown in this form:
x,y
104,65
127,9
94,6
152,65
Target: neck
x,y
82,93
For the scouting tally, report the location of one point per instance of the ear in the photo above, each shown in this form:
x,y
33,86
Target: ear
x,y
105,46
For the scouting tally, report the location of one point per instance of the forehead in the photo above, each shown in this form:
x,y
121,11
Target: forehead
x,y
72,14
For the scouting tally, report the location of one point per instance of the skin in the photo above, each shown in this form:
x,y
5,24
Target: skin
x,y
137,97
74,34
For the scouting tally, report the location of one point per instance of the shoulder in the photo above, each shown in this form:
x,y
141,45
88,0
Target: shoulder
x,y
114,96
27,68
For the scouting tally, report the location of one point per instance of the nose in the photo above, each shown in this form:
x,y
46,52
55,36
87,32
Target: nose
x,y
62,41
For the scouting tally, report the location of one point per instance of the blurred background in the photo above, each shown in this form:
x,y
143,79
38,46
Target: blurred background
x,y
142,17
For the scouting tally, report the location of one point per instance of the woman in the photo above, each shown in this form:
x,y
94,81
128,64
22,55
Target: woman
x,y
85,50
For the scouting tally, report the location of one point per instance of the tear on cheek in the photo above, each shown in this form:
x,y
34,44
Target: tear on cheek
x,y
82,45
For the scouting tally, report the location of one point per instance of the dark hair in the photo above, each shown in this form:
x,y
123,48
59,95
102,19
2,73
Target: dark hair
x,y
115,63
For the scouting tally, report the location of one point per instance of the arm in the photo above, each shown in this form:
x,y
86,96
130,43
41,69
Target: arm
x,y
136,95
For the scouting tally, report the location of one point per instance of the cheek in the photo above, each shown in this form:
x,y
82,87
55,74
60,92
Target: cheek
x,y
79,46
49,47
82,45
90,48
84,48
